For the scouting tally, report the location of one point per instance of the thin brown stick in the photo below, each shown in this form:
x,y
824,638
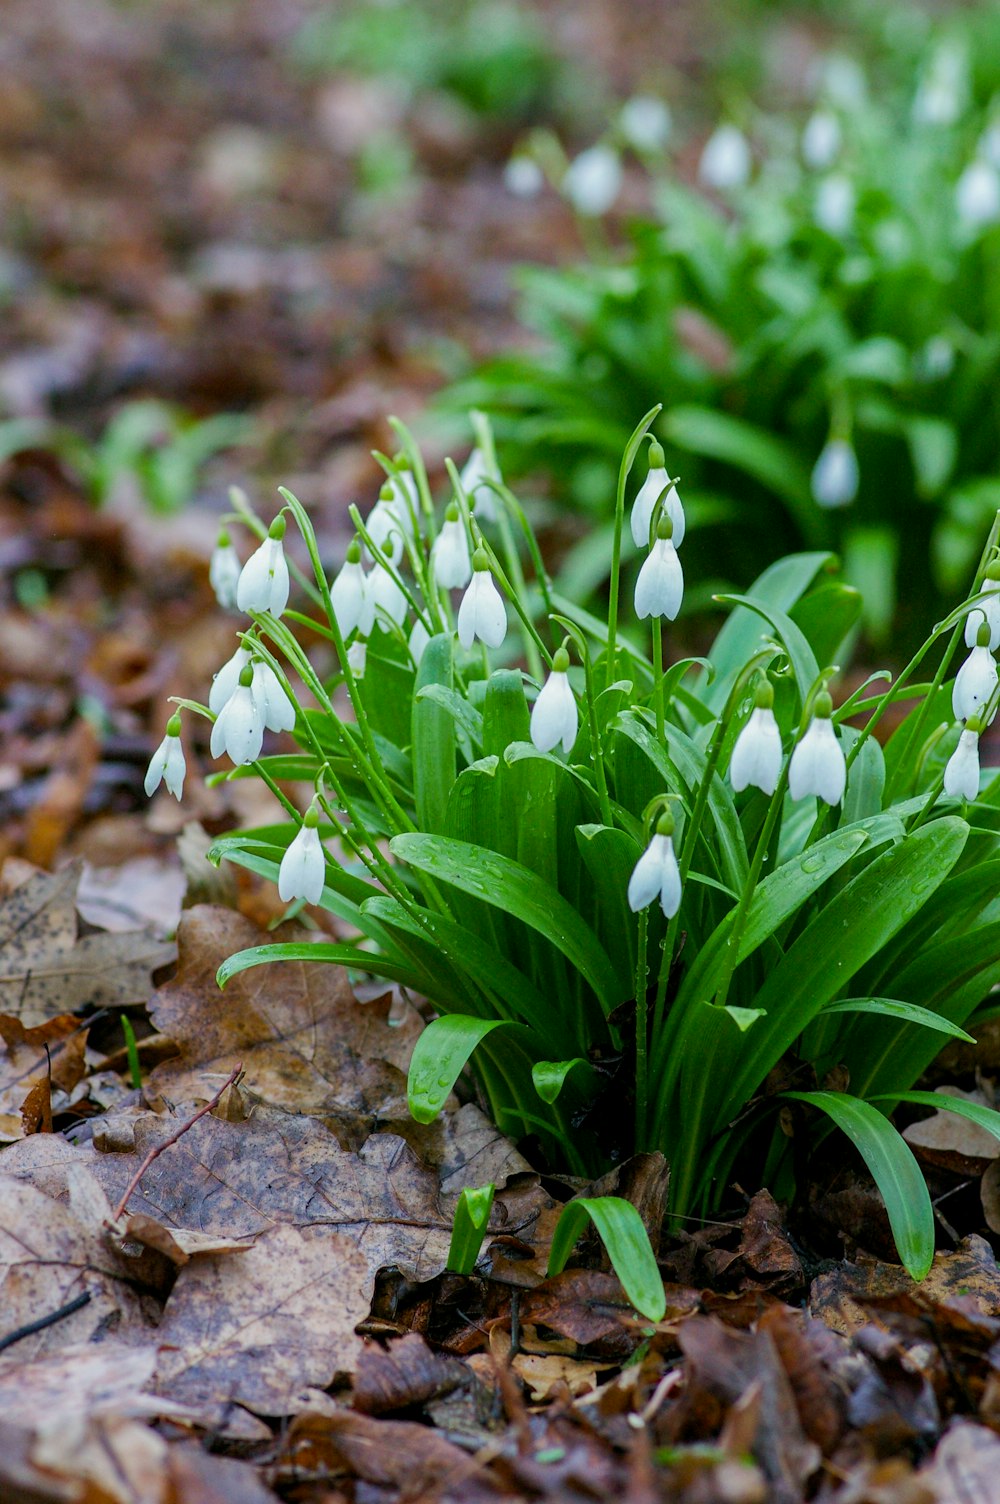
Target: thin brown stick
x,y
155,1153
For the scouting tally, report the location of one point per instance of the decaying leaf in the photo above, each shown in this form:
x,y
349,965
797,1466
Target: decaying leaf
x,y
952,1142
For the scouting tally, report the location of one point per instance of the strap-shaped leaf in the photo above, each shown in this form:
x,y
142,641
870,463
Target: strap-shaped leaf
x,y
549,1076
472,1215
894,1170
910,1013
621,1230
339,955
439,1057
781,585
433,730
792,638
984,1117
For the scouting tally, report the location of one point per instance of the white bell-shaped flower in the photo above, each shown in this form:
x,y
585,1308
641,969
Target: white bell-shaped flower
x,y
645,122
388,598
821,140
385,526
419,638
224,569
303,866
818,766
523,177
406,496
977,195
276,709
725,161
351,595
649,493
554,716
660,586
239,726
987,610
167,763
357,657
227,679
482,612
976,679
834,207
450,558
835,474
656,874
593,180
263,583
756,759
474,475
961,775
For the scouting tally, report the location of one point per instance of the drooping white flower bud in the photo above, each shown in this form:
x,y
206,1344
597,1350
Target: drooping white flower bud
x,y
167,763
450,554
227,679
385,526
756,758
818,766
656,483
976,679
833,210
645,122
388,599
263,583
987,610
481,497
726,160
977,195
835,474
224,569
593,180
419,638
482,612
961,776
660,586
656,873
357,657
303,866
523,177
554,716
239,726
821,140
276,709
351,595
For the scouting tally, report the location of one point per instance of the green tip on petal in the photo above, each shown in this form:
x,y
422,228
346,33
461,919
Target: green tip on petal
x,y
277,528
665,824
223,539
823,706
311,817
983,636
657,459
480,560
764,694
665,526
402,461
353,555
974,724
451,512
560,661
386,493
246,675
174,726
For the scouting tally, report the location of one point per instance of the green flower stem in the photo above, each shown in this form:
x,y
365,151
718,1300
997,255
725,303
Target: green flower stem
x,y
301,620
243,514
641,1038
384,562
541,573
658,677
596,741
535,649
750,886
411,449
628,459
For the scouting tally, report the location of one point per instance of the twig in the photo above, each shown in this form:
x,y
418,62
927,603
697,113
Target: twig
x,y
155,1153
43,1321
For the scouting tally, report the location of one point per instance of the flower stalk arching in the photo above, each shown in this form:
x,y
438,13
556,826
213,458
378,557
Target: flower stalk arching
x,y
624,470
600,773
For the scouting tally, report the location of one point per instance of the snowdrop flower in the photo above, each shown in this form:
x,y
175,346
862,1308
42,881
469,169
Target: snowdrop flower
x,y
388,600
988,146
835,474
645,122
554,715
935,359
656,873
227,679
523,177
274,706
385,526
481,497
977,195
357,657
942,94
167,763
821,140
961,776
817,766
351,595
419,638
987,610
224,570
660,586
593,180
239,726
482,613
303,866
649,493
726,161
833,210
976,679
450,554
263,582
756,756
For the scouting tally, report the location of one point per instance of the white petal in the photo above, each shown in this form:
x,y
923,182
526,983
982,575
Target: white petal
x,y
977,195
387,598
419,638
821,140
357,657
961,776
987,610
647,874
224,574
263,583
835,475
554,716
303,868
646,499
348,594
818,766
450,557
482,612
226,680
660,586
175,768
385,529
274,706
239,728
756,758
974,684
593,180
725,161
670,881
157,766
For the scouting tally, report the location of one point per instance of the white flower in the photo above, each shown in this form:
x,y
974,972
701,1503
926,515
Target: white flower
x,y
935,359
263,582
357,657
227,679
482,612
656,873
988,146
645,122
351,596
985,611
275,708
554,715
817,766
821,140
224,570
977,195
419,638
450,554
834,207
167,763
660,586
975,680
961,776
756,758
481,498
523,177
649,493
239,726
303,866
835,475
386,526
943,91
726,161
388,599
593,180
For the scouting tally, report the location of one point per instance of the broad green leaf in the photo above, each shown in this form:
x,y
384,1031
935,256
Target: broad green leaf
x,y
439,1057
892,1008
621,1230
894,1170
870,558
780,586
466,717
505,712
339,955
826,616
865,780
472,1215
720,436
549,1076
433,731
610,856
800,654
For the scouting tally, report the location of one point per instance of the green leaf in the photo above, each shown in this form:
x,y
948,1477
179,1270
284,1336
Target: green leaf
x,y
894,1170
439,1057
780,586
621,1230
433,731
549,1076
891,1007
466,717
800,654
826,615
340,955
472,1215
984,1117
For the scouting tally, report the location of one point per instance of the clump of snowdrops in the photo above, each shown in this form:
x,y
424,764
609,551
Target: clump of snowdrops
x,y
651,899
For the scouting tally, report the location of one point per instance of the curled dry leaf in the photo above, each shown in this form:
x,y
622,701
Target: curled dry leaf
x,y
952,1142
29,1059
